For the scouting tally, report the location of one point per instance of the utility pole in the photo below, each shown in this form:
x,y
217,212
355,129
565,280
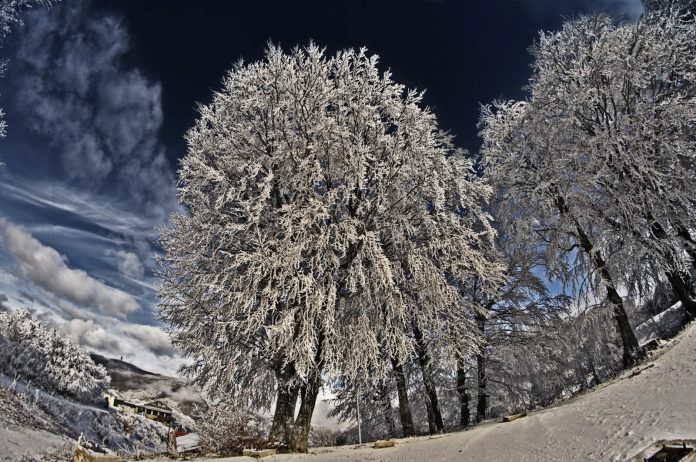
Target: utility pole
x,y
357,403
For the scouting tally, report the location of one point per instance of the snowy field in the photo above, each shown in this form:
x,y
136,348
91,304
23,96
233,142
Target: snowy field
x,y
611,423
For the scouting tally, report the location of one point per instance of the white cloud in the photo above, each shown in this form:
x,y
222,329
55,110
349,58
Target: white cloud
x,y
48,269
152,338
129,264
143,345
87,333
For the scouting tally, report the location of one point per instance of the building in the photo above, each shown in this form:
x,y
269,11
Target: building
x,y
153,410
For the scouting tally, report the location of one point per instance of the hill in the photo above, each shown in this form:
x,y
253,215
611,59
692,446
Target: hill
x,y
133,383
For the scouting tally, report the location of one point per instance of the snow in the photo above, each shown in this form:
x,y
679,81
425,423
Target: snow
x,y
17,442
188,442
33,419
613,422
24,428
662,325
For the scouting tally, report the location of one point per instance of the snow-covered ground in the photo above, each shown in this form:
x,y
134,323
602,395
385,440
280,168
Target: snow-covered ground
x,y
662,325
34,421
611,423
24,427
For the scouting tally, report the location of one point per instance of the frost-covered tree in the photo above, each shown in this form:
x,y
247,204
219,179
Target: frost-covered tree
x,y
551,359
596,164
686,7
638,139
515,314
377,414
325,216
10,11
43,356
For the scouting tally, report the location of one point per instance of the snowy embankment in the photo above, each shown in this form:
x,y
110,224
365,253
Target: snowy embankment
x,y
33,421
663,325
610,423
24,428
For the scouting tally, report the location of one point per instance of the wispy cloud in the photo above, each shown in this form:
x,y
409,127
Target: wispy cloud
x,y
48,269
129,264
102,117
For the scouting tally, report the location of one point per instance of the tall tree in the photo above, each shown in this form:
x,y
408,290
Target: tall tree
x,y
407,427
596,163
319,196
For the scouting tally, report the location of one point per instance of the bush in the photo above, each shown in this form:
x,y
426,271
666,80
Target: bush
x,y
227,432
322,437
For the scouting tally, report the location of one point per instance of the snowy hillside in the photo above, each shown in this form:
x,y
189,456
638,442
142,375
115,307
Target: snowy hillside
x,y
133,383
33,421
23,426
611,423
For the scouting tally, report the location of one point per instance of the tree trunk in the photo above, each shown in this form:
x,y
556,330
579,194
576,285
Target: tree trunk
x,y
302,425
404,404
684,288
434,414
681,281
432,426
482,378
284,415
690,245
308,398
631,349
281,429
387,407
463,396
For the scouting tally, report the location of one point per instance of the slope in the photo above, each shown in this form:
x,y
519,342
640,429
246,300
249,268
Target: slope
x,y
137,384
611,423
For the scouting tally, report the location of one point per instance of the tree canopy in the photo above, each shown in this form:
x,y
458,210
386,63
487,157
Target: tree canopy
x,y
326,215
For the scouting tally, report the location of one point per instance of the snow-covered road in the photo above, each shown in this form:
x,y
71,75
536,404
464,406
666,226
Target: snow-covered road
x,y
612,423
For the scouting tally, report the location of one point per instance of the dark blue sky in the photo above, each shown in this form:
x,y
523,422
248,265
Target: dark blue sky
x,y
98,97
462,51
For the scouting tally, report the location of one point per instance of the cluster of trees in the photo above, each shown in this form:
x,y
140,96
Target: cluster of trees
x,y
597,164
332,232
331,229
33,352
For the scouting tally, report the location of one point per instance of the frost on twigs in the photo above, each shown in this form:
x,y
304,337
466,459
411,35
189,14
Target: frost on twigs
x,y
596,165
38,354
226,431
326,214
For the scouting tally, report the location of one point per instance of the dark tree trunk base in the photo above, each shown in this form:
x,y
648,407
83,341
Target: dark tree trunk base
x,y
407,427
435,423
463,397
482,392
300,430
284,416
